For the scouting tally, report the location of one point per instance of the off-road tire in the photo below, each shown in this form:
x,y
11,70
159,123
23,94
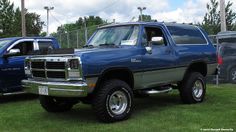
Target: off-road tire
x,y
188,92
103,101
53,104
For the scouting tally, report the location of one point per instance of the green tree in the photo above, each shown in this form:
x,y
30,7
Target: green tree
x,y
230,16
10,21
17,23
34,24
211,21
6,18
146,18
43,34
69,34
80,23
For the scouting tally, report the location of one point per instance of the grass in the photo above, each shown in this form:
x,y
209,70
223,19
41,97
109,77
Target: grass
x,y
156,113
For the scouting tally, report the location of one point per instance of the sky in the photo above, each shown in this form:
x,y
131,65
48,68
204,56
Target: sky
x,y
68,11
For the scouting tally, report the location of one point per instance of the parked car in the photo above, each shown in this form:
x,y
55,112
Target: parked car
x,y
13,52
227,56
121,60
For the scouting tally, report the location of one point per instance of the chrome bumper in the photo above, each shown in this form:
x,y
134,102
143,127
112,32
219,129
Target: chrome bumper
x,y
57,89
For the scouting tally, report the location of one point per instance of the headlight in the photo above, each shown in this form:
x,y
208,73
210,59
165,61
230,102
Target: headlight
x,y
27,64
27,68
74,64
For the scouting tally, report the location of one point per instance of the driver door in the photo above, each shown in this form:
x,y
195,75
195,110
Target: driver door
x,y
14,65
158,65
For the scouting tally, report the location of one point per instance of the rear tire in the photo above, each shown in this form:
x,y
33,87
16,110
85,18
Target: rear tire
x,y
113,101
193,88
53,104
232,75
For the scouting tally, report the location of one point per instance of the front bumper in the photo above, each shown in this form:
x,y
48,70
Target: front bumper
x,y
57,89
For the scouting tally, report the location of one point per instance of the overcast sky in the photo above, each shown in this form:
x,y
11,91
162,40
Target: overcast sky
x,y
67,11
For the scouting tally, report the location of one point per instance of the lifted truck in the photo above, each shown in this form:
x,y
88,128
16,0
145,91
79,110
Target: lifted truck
x,y
13,52
123,60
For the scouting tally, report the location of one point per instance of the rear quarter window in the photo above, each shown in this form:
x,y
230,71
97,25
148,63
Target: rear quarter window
x,y
230,40
45,45
228,50
186,35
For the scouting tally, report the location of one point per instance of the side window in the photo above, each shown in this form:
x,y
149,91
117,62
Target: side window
x,y
183,34
151,32
45,45
25,47
229,40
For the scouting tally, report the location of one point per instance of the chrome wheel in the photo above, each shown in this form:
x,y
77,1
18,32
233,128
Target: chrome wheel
x,y
118,102
198,89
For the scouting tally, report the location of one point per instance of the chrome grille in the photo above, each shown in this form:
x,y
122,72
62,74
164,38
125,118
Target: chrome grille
x,y
54,74
39,74
48,69
55,65
37,65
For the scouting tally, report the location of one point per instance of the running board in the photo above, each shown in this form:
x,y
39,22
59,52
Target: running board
x,y
154,91
14,93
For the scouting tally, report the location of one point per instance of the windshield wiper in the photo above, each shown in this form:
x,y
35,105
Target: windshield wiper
x,y
108,44
88,46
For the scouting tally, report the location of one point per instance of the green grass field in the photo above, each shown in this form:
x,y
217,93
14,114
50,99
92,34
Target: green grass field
x,y
156,113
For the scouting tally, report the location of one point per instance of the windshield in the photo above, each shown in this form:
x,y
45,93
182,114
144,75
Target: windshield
x,y
120,35
3,43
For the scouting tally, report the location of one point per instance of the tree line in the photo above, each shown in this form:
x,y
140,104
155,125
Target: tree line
x,y
10,21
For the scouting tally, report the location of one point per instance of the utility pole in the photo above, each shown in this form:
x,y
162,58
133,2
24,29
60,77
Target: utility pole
x,y
85,31
222,15
141,12
48,9
23,30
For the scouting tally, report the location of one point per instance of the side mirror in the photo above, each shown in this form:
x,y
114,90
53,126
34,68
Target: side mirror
x,y
157,41
12,52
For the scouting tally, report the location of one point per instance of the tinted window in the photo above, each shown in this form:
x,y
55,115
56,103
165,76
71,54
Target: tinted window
x,y
26,47
151,32
227,40
45,45
183,34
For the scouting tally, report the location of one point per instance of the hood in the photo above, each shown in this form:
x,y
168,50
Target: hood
x,y
104,52
79,52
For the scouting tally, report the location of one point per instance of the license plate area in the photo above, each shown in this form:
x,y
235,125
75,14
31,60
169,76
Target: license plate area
x,y
43,90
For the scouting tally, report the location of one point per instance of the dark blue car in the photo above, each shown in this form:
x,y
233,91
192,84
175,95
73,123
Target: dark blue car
x,y
13,52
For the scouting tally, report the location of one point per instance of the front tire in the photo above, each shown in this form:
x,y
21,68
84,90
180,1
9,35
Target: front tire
x,y
53,104
114,101
193,88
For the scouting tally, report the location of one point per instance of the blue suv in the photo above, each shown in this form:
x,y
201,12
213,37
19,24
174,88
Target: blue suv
x,y
123,60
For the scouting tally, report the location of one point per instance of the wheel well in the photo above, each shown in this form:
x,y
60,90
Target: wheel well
x,y
200,67
118,73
